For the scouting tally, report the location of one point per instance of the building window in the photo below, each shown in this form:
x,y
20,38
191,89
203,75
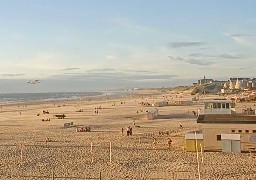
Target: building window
x,y
247,131
233,131
233,105
227,105
239,131
253,131
223,106
218,137
208,105
214,105
219,105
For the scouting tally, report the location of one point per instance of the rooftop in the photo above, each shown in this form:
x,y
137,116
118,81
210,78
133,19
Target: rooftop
x,y
226,119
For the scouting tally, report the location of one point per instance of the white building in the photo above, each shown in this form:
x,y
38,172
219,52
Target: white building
x,y
218,106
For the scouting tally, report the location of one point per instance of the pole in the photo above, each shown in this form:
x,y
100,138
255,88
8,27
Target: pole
x,y
91,152
202,157
110,152
198,165
21,153
53,174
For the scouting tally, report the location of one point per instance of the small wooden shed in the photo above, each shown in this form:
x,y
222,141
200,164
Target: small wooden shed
x,y
160,103
152,114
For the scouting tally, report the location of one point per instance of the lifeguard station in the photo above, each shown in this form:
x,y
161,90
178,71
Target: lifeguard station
x,y
218,106
225,130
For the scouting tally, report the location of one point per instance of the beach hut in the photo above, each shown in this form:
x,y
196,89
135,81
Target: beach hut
x,y
67,125
160,103
183,102
152,114
194,142
231,143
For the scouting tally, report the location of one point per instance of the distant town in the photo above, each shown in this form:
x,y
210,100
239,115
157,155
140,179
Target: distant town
x,y
232,84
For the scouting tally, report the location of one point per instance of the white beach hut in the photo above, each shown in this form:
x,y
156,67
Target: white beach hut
x,y
152,114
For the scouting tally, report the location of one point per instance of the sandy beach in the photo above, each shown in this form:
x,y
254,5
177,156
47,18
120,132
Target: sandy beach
x,y
35,149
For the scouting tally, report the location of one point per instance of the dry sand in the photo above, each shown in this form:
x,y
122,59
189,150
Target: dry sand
x,y
69,155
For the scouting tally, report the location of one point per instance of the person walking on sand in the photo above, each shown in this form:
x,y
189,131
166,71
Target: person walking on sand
x,y
169,143
181,127
154,143
128,131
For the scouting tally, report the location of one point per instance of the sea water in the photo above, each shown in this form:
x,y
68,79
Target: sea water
x,y
55,96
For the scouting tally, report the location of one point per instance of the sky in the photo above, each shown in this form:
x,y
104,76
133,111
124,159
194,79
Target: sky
x,y
85,45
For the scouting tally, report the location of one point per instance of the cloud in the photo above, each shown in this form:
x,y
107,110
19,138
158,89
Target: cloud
x,y
196,55
244,68
192,61
226,56
69,69
113,75
199,62
72,73
139,71
110,57
243,39
12,75
238,35
186,44
100,70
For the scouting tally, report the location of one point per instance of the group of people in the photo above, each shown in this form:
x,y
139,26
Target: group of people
x,y
128,131
96,110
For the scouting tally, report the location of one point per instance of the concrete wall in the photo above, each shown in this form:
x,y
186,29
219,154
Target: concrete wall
x,y
210,132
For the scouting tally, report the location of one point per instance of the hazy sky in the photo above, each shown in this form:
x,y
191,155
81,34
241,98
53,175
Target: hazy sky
x,y
80,45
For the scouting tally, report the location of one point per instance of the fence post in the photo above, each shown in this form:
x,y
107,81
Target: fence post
x,y
53,174
202,156
91,153
197,158
21,154
110,152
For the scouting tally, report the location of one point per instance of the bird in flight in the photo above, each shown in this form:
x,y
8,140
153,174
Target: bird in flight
x,y
36,81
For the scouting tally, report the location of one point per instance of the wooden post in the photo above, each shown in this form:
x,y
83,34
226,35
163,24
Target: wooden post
x,y
202,157
21,153
198,165
53,175
110,152
91,152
